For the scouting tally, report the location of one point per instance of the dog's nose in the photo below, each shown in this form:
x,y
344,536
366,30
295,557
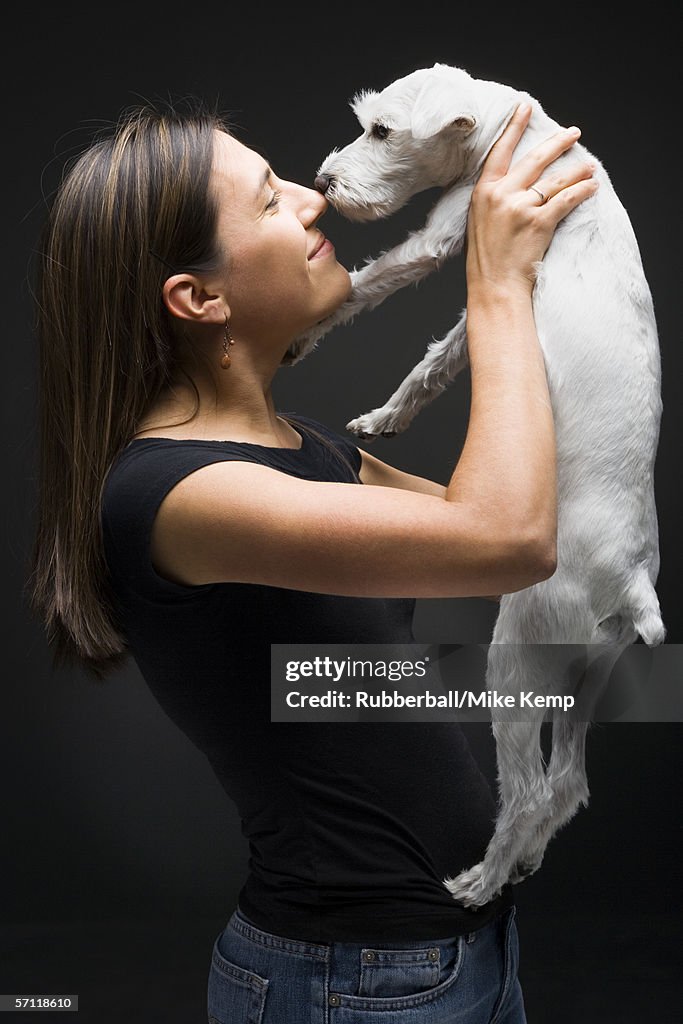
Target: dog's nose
x,y
322,182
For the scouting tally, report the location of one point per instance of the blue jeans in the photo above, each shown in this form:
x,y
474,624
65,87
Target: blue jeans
x,y
260,978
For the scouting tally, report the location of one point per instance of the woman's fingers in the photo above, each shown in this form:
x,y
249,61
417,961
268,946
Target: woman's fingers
x,y
529,168
557,208
550,185
500,155
516,208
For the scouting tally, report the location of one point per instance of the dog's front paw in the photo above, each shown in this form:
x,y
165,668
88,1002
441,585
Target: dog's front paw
x,y
386,423
472,888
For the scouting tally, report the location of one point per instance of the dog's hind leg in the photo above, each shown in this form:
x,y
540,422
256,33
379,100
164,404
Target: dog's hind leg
x,y
566,777
442,362
524,794
566,773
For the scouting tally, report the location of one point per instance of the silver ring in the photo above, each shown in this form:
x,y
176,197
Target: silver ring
x,y
544,199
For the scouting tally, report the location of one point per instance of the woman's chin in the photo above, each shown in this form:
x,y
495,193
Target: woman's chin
x,y
341,294
305,340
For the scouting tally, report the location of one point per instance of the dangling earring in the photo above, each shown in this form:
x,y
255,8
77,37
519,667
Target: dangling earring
x,y
227,341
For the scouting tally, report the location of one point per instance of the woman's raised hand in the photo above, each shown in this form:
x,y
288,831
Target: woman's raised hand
x,y
515,210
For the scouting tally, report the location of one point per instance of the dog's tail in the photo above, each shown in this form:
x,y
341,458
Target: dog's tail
x,y
642,608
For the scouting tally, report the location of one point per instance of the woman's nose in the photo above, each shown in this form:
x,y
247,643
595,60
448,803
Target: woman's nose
x,y
314,204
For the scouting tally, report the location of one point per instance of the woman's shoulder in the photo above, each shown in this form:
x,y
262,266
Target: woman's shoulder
x,y
139,478
145,470
148,465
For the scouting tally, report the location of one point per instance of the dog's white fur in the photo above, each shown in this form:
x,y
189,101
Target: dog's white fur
x,y
596,326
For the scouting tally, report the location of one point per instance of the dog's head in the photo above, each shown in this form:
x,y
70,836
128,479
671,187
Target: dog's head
x,y
429,129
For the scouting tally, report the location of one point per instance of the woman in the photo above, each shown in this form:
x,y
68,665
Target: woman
x,y
185,522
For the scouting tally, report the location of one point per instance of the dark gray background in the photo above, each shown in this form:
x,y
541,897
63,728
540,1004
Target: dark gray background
x,y
121,858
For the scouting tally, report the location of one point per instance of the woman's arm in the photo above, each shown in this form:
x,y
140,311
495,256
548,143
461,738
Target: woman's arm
x,y
494,529
248,523
490,533
375,472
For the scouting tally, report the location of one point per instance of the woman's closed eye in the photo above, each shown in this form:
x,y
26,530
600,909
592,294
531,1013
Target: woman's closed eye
x,y
274,201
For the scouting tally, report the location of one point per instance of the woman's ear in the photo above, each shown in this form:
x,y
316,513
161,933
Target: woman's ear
x,y
186,298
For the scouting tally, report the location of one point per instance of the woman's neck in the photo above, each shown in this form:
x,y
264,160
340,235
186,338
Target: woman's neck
x,y
236,407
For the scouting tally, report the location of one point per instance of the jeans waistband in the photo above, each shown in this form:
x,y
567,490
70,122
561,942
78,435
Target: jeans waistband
x,y
322,951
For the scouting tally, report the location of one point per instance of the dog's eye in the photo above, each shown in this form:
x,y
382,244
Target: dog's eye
x,y
380,131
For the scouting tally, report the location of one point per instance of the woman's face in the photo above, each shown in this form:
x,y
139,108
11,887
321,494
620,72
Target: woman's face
x,y
282,274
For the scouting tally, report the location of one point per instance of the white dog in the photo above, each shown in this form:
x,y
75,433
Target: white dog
x,y
596,325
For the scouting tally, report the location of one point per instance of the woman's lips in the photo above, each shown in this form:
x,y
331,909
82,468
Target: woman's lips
x,y
323,249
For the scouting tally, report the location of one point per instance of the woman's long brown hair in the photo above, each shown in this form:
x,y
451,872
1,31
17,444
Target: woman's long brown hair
x,y
134,206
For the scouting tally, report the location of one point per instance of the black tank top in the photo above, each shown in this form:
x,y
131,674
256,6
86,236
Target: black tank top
x,y
351,826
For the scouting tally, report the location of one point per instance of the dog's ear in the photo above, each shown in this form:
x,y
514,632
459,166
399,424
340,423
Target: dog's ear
x,y
439,104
